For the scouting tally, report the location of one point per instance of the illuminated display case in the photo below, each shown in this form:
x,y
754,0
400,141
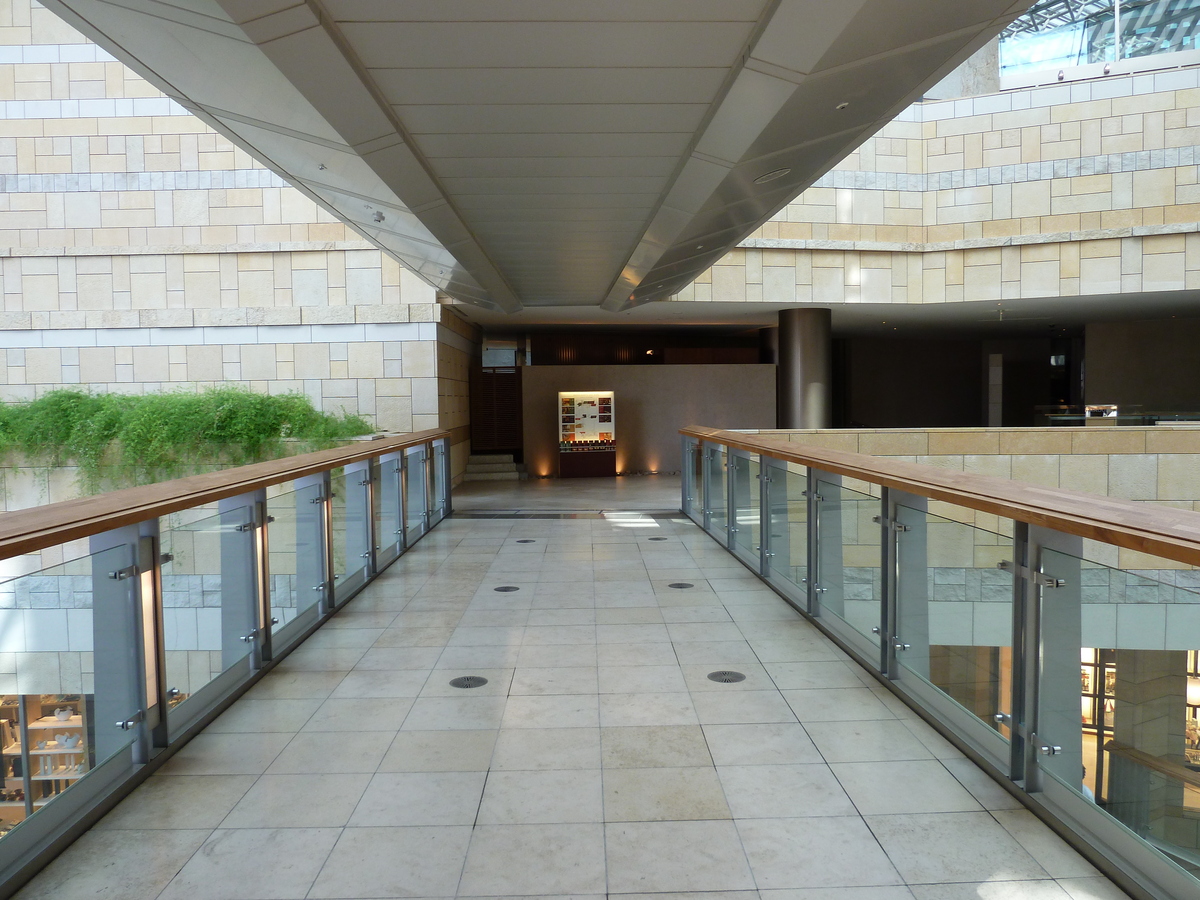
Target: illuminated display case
x,y
587,432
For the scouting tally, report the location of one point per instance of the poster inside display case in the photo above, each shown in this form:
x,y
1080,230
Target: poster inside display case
x,y
586,421
586,433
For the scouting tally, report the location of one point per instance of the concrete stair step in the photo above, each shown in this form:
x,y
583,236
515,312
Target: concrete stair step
x,y
488,458
511,475
491,467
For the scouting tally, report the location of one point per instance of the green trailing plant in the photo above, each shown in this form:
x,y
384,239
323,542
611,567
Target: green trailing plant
x,y
122,439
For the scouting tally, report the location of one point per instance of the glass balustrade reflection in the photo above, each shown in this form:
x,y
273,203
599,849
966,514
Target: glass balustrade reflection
x,y
297,557
787,523
1119,696
955,610
59,628
745,527
849,588
209,600
415,505
715,493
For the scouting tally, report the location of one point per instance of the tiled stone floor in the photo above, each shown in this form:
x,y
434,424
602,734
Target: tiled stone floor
x,y
598,759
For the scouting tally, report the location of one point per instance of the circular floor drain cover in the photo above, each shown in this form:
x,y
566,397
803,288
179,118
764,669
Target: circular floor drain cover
x,y
659,539
723,677
506,588
526,541
680,585
469,681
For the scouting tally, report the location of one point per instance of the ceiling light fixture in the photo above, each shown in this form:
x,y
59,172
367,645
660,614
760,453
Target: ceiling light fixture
x,y
843,105
770,176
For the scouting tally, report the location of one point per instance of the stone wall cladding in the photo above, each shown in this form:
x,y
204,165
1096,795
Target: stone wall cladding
x,y
1072,190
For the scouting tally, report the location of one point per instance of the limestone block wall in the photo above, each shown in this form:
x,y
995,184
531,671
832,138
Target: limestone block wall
x,y
140,251
1072,190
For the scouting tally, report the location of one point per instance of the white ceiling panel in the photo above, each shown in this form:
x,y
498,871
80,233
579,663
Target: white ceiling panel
x,y
532,44
403,87
546,152
546,10
552,118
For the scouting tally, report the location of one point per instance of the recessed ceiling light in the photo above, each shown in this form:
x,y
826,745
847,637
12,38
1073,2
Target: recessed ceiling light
x,y
772,175
842,105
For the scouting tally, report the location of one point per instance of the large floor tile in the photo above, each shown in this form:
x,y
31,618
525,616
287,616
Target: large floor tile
x,y
647,709
866,741
440,751
115,865
786,791
179,801
419,798
393,862
640,679
906,786
298,801
230,865
653,746
316,753
663,794
773,743
525,749
554,680
560,711
342,716
656,857
455,713
941,847
542,797
522,860
227,754
837,852
741,707
838,705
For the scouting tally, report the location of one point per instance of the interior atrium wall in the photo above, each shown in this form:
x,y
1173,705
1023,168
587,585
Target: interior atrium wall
x,y
1087,188
140,251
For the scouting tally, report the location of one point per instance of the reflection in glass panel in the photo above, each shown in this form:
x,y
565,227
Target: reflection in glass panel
x,y
48,729
955,610
289,596
850,586
415,506
202,600
715,498
747,518
788,521
1119,693
1058,34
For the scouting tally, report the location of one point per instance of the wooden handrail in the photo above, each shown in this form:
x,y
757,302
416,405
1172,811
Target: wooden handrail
x,y
1145,527
1158,764
27,530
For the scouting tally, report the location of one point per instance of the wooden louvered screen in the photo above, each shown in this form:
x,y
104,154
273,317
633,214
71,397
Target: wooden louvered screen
x,y
496,410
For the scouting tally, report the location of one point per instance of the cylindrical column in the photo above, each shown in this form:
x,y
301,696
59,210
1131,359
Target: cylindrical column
x,y
804,379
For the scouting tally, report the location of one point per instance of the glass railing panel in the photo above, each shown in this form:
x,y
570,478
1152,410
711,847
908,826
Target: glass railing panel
x,y
954,615
849,587
437,483
297,554
208,585
787,519
415,506
351,530
1119,698
693,479
389,514
56,716
716,519
745,536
